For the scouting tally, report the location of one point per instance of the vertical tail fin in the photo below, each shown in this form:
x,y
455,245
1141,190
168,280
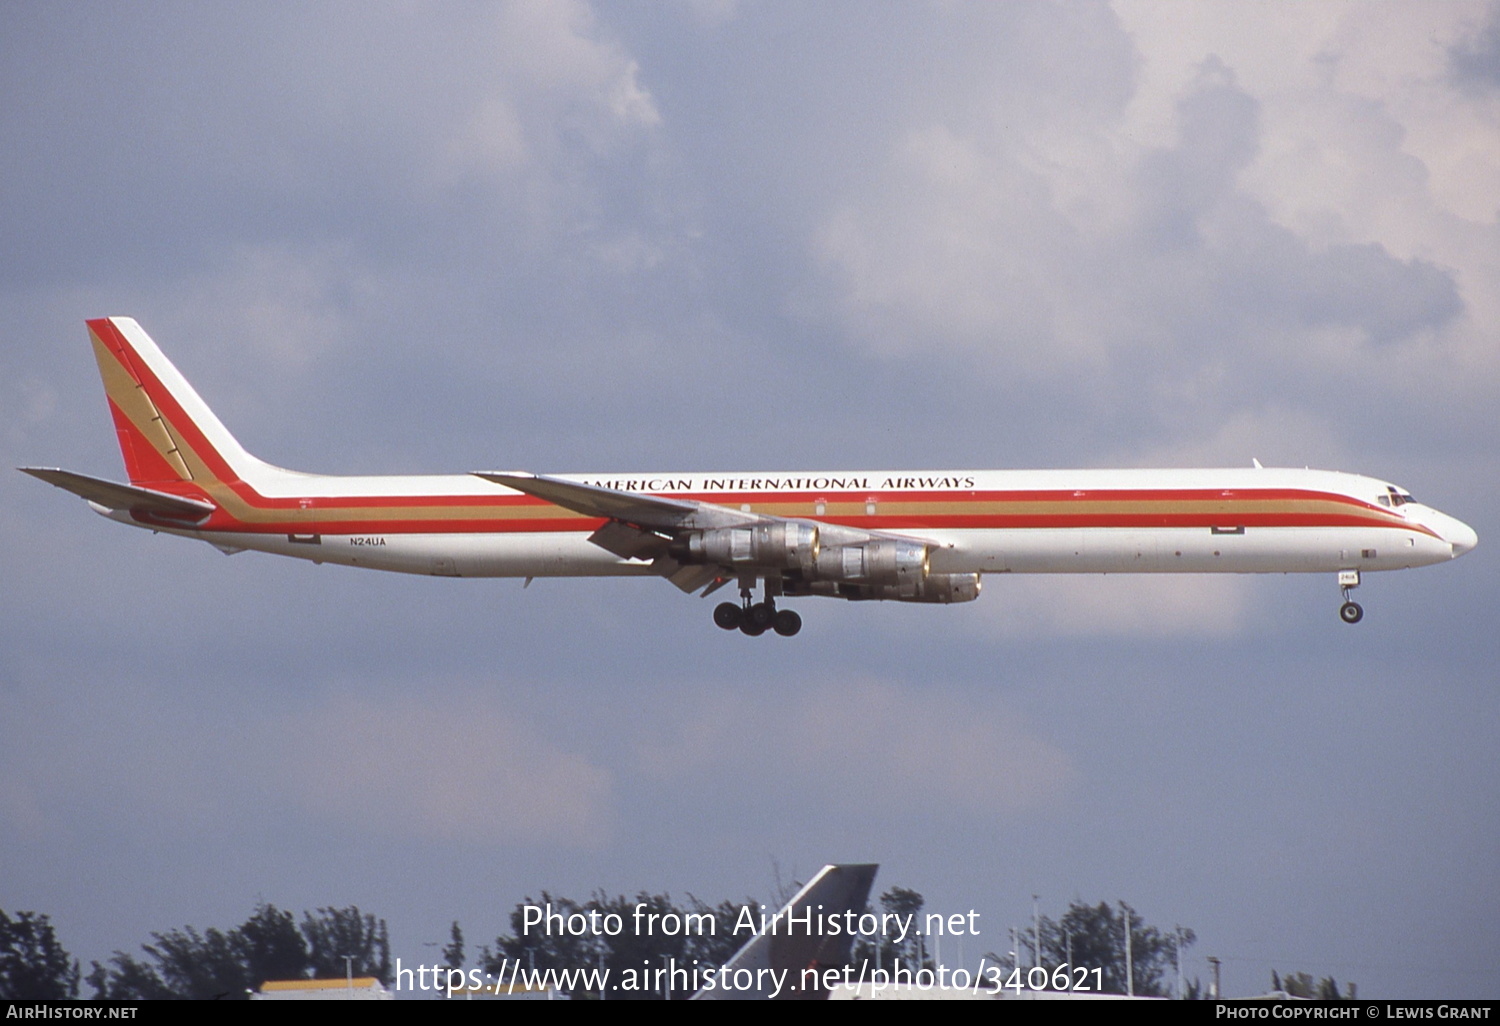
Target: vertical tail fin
x,y
167,433
796,940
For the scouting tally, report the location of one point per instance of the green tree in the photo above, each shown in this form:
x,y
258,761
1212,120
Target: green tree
x,y
453,952
1093,937
713,950
214,964
33,965
200,967
1301,985
885,950
229,964
709,944
124,978
646,951
272,947
538,946
335,934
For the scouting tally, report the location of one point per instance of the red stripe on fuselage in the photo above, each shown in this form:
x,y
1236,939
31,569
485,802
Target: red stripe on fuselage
x,y
546,517
1358,513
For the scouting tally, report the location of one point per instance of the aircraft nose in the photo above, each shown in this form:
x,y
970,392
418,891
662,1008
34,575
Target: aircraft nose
x,y
1461,536
1457,534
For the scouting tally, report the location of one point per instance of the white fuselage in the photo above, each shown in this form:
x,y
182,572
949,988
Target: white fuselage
x,y
1084,521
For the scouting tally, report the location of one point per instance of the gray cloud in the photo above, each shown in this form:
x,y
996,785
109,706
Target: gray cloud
x,y
1475,60
581,238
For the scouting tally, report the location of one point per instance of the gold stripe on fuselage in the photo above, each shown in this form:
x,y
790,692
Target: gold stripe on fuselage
x,y
135,403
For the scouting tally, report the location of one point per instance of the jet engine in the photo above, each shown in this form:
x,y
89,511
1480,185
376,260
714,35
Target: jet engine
x,y
784,545
869,569
886,562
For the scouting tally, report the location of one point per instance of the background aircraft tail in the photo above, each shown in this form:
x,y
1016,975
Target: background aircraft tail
x,y
166,431
797,943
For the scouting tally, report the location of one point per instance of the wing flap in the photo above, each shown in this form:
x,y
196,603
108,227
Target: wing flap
x,y
629,542
688,578
113,495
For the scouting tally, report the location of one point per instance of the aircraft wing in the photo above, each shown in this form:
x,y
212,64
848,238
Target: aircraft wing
x,y
115,496
649,511
640,525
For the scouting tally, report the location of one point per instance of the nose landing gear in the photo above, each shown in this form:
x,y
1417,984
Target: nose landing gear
x,y
755,618
1350,611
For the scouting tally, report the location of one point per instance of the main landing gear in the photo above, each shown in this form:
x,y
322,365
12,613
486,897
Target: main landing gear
x,y
1350,611
755,618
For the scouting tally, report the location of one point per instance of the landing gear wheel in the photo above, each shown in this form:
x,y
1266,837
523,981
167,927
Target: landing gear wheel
x,y
752,630
728,616
760,615
787,623
1350,612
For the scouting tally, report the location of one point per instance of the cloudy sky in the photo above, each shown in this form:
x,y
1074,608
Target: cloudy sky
x,y
759,236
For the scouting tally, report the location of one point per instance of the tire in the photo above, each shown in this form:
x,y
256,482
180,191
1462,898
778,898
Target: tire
x,y
787,623
761,615
727,615
749,628
1350,612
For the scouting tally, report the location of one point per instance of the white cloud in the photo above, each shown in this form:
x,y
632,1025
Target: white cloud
x,y
1256,213
539,75
1365,138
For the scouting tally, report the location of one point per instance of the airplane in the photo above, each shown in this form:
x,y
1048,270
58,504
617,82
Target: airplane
x,y
902,536
788,959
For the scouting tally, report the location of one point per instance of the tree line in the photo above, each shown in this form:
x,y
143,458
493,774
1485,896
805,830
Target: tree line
x,y
621,952
1145,961
273,944
214,964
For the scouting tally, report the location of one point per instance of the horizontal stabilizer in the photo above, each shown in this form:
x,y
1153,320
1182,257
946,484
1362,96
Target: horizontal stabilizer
x,y
113,495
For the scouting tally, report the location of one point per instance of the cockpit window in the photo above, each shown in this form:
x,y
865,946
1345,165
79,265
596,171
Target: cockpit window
x,y
1385,500
1397,498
